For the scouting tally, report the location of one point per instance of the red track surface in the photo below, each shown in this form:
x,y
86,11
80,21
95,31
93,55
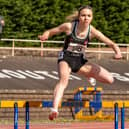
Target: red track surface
x,y
77,125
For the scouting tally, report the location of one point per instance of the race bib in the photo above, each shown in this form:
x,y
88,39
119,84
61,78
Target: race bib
x,y
61,55
73,47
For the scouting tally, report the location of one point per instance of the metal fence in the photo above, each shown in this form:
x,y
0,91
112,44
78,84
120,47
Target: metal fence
x,y
98,50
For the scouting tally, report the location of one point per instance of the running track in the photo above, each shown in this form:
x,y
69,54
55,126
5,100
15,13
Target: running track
x,y
77,125
32,64
17,72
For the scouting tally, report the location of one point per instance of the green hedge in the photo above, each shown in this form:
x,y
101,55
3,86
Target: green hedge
x,y
29,18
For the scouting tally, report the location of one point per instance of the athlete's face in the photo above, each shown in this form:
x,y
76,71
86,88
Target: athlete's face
x,y
85,16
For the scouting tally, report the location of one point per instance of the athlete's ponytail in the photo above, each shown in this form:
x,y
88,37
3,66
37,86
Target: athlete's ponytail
x,y
76,14
73,16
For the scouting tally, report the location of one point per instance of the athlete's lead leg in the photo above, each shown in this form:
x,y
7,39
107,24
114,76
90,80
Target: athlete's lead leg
x,y
64,72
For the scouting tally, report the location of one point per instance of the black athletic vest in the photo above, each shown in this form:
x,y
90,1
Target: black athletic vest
x,y
72,38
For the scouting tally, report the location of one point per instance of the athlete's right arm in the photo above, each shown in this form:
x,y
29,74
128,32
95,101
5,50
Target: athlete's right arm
x,y
65,27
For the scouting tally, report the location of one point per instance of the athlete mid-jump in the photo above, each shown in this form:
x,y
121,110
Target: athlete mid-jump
x,y
72,57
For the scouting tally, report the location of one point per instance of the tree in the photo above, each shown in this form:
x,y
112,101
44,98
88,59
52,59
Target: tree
x,y
27,19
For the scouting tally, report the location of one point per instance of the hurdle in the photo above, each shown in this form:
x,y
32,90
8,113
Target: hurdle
x,y
15,116
77,102
116,116
28,104
26,115
97,104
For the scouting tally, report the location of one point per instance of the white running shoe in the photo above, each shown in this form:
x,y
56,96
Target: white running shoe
x,y
92,81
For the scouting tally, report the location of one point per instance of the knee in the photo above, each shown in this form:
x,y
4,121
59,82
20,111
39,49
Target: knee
x,y
110,79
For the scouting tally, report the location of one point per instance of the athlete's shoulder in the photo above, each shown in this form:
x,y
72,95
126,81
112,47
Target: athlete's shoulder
x,y
96,33
92,27
66,27
94,30
67,24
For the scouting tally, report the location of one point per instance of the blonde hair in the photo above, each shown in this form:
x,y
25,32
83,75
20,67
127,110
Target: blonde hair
x,y
76,14
73,16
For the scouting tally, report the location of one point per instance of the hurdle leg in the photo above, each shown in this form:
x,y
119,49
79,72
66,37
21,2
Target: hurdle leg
x,y
27,116
123,117
15,116
116,122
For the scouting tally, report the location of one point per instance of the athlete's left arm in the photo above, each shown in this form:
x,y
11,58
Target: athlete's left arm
x,y
100,36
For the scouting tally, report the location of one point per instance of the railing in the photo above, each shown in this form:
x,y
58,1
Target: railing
x,y
98,50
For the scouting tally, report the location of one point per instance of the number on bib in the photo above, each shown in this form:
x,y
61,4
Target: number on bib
x,y
61,55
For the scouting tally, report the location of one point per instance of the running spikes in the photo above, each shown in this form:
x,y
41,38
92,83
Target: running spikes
x,y
53,114
92,81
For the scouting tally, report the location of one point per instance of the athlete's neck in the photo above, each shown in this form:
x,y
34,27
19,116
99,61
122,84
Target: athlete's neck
x,y
82,27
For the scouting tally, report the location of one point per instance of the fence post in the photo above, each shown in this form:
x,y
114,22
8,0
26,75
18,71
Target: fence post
x,y
13,45
127,55
99,49
41,53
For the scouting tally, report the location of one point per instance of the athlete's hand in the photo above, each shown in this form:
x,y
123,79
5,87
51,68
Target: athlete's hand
x,y
44,36
2,22
118,56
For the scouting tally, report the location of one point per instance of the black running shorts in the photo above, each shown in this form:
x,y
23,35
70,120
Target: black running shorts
x,y
74,60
